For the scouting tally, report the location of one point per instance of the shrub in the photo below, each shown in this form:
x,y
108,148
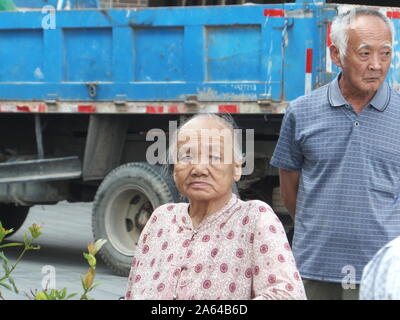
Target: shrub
x,y
8,282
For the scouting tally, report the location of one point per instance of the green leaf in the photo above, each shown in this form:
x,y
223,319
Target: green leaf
x,y
63,293
94,286
99,244
52,295
59,295
5,286
5,263
90,259
26,241
35,231
6,268
12,282
4,232
11,245
71,296
42,295
3,257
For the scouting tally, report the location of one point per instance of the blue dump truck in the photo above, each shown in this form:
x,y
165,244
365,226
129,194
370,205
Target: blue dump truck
x,y
82,86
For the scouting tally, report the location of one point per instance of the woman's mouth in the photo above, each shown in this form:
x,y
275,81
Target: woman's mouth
x,y
198,184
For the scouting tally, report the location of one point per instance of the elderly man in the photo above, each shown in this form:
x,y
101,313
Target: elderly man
x,y
339,160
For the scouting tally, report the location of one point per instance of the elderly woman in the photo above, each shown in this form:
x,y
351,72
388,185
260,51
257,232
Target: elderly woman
x,y
216,246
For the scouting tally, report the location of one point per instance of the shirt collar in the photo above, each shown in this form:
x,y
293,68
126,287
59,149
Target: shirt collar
x,y
211,218
382,97
335,96
380,100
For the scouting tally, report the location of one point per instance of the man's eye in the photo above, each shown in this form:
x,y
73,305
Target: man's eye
x,y
364,54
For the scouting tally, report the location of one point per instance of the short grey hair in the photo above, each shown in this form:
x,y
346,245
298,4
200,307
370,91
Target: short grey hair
x,y
342,22
225,119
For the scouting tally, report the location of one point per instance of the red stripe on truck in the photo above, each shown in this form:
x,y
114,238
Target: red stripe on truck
x,y
42,107
274,13
154,109
86,108
23,108
173,109
328,35
309,54
393,14
229,108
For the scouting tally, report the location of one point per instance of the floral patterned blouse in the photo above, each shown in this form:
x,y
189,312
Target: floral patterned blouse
x,y
239,252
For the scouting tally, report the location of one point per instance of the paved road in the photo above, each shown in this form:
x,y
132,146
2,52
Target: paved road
x,y
66,232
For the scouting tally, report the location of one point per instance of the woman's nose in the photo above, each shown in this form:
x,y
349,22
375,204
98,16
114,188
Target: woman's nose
x,y
199,169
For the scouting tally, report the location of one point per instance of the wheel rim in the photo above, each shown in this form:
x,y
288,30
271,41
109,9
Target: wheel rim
x,y
126,215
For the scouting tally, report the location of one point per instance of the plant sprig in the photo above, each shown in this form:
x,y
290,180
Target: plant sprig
x,y
8,268
8,282
87,281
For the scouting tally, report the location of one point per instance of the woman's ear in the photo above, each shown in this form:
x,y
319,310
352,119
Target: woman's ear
x,y
237,172
174,175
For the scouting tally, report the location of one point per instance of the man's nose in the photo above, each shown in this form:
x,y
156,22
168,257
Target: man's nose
x,y
375,62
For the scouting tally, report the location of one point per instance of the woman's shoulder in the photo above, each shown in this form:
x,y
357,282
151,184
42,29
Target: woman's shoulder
x,y
264,217
258,206
170,208
165,211
259,210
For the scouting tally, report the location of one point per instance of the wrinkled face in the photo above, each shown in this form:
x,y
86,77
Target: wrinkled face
x,y
368,55
205,168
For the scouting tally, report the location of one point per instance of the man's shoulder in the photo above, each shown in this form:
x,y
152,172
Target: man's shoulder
x,y
393,104
394,95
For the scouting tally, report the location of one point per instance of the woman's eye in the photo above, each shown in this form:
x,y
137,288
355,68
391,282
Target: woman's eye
x,y
185,158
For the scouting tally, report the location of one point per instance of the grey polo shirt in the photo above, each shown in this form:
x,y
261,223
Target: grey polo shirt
x,y
348,203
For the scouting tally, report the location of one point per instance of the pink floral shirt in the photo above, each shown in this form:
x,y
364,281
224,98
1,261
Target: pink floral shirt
x,y
239,252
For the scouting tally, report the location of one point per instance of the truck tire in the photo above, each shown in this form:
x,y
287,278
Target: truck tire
x,y
123,204
12,216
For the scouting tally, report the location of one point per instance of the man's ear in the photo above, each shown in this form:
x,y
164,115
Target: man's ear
x,y
335,55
